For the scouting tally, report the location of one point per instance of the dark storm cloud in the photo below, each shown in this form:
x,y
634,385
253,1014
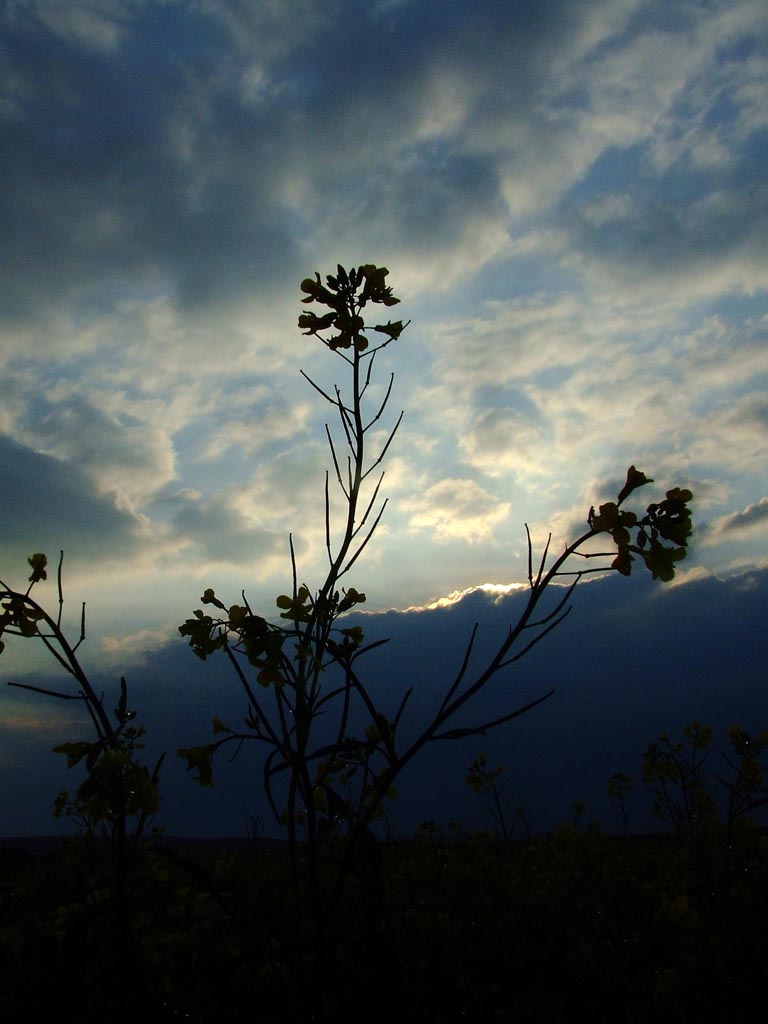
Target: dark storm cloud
x,y
633,659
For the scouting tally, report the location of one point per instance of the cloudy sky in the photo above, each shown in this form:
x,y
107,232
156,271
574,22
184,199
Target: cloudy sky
x,y
571,201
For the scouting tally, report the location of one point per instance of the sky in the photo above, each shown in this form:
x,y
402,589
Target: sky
x,y
571,201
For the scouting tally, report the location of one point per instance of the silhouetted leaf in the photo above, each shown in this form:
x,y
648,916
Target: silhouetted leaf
x,y
634,480
38,563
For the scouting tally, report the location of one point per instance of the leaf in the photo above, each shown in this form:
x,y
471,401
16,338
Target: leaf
x,y
218,725
270,676
199,759
660,560
311,323
237,616
74,752
634,480
38,563
606,518
200,630
623,561
393,330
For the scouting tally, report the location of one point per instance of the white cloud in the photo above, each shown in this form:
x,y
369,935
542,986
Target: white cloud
x,y
135,648
265,424
498,440
497,591
455,508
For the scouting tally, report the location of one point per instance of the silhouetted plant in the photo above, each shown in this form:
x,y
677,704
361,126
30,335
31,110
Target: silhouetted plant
x,y
746,788
311,665
577,813
619,787
117,786
673,771
485,782
685,793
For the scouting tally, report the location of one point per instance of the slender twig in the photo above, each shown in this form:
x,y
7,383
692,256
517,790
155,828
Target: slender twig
x,y
455,734
317,388
336,462
369,506
49,693
462,668
383,405
384,450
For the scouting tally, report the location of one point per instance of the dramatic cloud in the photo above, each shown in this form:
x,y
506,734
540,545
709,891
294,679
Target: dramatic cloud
x,y
571,200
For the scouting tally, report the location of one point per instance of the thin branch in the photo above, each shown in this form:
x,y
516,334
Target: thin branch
x,y
530,555
595,554
327,524
556,610
336,462
383,452
294,576
82,627
64,664
369,647
61,592
536,639
462,670
359,551
383,405
49,693
455,734
586,572
317,388
370,505
401,708
345,420
368,374
543,562
261,717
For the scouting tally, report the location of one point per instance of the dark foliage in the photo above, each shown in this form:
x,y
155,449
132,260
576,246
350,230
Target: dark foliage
x,y
572,926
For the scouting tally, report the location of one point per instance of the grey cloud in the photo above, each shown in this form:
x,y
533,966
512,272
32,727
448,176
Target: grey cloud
x,y
152,167
98,194
686,192
660,235
270,30
737,524
51,505
130,459
223,533
156,165
94,24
